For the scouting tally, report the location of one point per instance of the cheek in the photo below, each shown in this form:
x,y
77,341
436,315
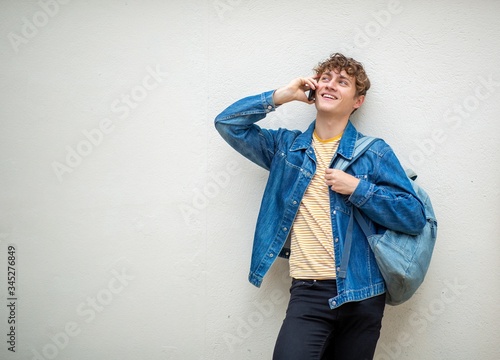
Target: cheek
x,y
348,94
320,86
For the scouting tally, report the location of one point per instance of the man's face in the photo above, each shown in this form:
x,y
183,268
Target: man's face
x,y
336,93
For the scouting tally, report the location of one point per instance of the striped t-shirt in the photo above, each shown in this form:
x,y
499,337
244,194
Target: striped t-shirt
x,y
312,255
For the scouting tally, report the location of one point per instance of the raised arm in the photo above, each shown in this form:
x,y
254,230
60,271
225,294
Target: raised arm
x,y
236,124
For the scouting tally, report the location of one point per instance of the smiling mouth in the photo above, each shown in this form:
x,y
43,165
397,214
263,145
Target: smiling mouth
x,y
329,96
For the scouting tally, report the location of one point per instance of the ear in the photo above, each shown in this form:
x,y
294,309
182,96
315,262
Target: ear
x,y
359,101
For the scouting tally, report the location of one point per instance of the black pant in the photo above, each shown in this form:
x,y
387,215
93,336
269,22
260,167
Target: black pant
x,y
313,331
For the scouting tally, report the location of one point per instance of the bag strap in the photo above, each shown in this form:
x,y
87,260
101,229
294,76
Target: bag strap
x,y
362,222
362,144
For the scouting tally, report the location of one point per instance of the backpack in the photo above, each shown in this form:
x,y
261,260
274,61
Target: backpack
x,y
402,259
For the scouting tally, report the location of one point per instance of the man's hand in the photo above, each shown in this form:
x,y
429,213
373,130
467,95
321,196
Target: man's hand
x,y
340,181
296,90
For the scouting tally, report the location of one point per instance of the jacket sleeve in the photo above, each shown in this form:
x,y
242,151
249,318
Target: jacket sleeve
x,y
389,199
236,125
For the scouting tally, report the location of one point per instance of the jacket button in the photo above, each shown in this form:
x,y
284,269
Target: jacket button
x,y
271,255
338,269
285,229
336,240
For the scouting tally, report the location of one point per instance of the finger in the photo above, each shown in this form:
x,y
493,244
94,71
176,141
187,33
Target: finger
x,y
331,172
314,80
309,83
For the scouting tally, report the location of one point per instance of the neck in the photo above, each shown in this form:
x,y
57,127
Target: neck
x,y
328,127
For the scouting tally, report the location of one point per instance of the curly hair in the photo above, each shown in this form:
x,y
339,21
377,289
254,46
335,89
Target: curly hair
x,y
353,68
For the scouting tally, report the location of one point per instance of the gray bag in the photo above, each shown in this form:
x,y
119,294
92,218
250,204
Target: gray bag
x,y
402,259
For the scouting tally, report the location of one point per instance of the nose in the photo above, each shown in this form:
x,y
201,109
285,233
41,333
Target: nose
x,y
331,85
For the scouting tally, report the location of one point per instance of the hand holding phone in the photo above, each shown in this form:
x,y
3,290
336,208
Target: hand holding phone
x,y
296,90
312,95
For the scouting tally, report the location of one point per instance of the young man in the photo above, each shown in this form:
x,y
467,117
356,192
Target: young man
x,y
335,311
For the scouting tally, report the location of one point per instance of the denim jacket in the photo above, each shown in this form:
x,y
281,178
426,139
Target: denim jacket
x,y
384,194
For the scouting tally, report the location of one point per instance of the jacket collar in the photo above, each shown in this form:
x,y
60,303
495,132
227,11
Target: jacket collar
x,y
348,141
304,140
346,146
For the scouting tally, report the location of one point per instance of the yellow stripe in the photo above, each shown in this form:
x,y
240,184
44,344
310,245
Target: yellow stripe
x,y
335,138
312,255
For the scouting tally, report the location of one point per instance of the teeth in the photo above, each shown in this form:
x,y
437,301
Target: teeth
x,y
329,96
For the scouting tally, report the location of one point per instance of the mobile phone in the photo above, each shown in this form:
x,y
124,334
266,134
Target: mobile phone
x,y
312,95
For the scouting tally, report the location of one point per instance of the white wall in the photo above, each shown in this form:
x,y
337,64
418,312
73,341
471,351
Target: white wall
x,y
132,220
